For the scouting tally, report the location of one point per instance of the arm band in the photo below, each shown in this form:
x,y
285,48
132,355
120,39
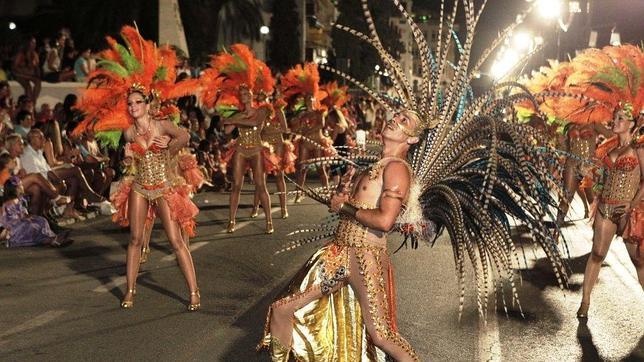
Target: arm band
x,y
348,209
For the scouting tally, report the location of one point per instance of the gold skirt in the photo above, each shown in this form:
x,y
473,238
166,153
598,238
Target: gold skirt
x,y
329,328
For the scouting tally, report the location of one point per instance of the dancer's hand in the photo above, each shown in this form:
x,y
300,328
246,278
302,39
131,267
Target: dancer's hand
x,y
161,141
345,182
337,200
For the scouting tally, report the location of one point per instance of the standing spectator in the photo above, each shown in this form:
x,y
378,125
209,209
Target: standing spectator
x,y
26,69
6,105
52,68
69,55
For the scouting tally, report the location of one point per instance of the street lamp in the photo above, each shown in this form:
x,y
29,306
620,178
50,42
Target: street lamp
x,y
264,30
550,9
12,25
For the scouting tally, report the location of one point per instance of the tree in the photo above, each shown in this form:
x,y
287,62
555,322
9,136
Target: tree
x,y
213,24
284,45
355,56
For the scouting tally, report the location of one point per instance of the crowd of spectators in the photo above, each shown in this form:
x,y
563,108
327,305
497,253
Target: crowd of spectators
x,y
50,59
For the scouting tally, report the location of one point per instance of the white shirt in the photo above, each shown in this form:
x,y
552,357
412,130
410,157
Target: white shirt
x,y
34,161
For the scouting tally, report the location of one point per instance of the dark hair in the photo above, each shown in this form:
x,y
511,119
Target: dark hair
x,y
5,158
11,189
23,98
204,145
22,115
69,102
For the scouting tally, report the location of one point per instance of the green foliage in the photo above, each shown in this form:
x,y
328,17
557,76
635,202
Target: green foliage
x,y
362,56
284,45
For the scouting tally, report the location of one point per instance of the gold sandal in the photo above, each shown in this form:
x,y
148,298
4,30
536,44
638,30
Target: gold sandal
x,y
127,304
195,307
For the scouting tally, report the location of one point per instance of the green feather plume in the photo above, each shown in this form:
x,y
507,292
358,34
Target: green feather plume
x,y
113,67
109,139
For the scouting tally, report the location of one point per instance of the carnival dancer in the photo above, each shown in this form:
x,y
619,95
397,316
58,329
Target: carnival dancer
x,y
236,76
581,141
620,208
273,133
353,271
126,95
468,172
300,84
336,123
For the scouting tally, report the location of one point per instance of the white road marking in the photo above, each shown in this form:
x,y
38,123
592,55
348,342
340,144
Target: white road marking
x,y
489,341
114,283
193,247
32,323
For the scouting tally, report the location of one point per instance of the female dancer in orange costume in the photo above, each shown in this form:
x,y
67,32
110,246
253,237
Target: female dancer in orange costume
x,y
128,100
282,149
303,82
620,208
236,76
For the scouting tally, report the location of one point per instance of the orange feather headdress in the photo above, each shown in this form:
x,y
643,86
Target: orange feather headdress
x,y
137,66
336,96
303,82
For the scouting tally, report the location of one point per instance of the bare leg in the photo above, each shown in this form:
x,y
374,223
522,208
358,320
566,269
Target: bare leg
x,y
147,234
324,177
239,164
584,201
281,188
303,155
368,278
260,187
637,257
571,184
182,252
138,209
35,200
604,231
26,85
76,173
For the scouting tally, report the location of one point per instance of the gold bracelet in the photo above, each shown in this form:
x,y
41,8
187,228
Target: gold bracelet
x,y
348,209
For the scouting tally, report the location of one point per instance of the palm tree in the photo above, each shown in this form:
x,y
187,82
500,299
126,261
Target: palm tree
x,y
213,24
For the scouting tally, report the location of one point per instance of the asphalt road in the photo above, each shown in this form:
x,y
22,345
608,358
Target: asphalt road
x,y
63,304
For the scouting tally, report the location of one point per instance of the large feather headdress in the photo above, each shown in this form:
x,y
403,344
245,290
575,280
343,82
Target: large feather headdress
x,y
137,65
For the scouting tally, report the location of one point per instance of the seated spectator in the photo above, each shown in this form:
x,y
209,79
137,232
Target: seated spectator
x,y
53,147
24,104
45,115
24,229
83,65
26,69
24,122
33,161
36,186
94,164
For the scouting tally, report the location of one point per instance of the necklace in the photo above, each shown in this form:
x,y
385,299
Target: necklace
x,y
147,130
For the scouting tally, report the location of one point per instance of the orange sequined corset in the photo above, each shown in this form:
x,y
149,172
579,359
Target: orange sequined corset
x,y
151,168
249,137
621,181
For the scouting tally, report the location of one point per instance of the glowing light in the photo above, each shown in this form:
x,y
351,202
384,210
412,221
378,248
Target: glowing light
x,y
264,30
12,25
550,9
377,67
505,63
522,41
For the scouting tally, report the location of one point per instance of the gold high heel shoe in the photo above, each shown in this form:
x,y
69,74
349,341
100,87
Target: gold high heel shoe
x,y
195,307
127,304
582,312
231,227
298,198
269,227
284,213
145,253
254,212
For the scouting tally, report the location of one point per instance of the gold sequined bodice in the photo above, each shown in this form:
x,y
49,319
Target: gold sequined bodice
x,y
620,184
249,137
152,168
272,133
581,147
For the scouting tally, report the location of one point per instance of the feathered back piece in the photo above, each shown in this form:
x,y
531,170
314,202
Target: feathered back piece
x,y
137,65
302,82
592,85
336,96
228,72
473,170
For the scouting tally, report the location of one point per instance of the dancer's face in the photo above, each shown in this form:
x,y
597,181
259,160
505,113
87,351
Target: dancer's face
x,y
401,128
621,123
245,95
136,105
